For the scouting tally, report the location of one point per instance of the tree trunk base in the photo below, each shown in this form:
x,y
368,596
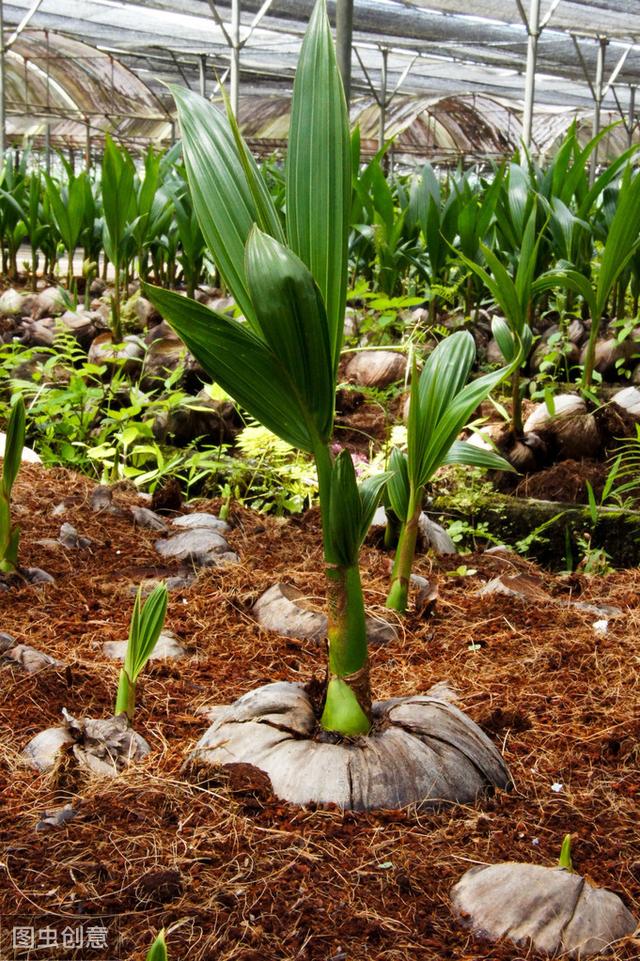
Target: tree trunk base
x,y
421,750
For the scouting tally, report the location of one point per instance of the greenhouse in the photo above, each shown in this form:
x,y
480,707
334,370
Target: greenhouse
x,y
319,480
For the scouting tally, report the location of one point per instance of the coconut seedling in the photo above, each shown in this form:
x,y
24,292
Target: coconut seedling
x,y
118,202
281,365
553,910
147,621
515,297
9,535
441,403
106,745
622,241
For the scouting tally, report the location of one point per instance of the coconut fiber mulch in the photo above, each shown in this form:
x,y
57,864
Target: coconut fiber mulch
x,y
229,870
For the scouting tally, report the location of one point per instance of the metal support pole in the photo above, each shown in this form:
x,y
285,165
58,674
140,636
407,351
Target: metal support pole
x,y
47,147
87,145
383,96
344,37
202,74
632,114
3,121
533,30
598,92
235,56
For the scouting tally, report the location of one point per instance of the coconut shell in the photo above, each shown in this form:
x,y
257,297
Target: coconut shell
x,y
13,303
163,356
103,746
376,368
574,431
49,303
200,546
629,400
167,648
608,353
554,910
28,456
564,405
29,659
285,610
38,333
217,420
130,352
421,750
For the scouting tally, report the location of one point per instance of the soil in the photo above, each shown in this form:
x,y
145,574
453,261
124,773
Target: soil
x,y
229,870
565,481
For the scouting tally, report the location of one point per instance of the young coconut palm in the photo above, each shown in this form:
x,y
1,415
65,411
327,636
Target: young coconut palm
x,y
622,242
10,536
107,745
515,297
441,403
281,364
147,621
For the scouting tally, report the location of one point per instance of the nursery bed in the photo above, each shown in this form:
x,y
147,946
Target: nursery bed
x,y
234,873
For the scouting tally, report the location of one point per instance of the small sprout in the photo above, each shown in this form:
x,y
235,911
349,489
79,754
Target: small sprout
x,y
462,571
158,950
564,861
147,622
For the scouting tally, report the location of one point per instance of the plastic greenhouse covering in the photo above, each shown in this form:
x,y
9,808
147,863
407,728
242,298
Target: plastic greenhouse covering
x,y
451,83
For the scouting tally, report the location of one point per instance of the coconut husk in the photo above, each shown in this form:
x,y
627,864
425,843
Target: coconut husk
x,y
570,432
629,400
287,611
421,750
554,910
49,303
129,353
376,368
103,746
217,420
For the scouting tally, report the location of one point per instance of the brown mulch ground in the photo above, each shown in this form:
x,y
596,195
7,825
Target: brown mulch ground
x,y
565,481
234,873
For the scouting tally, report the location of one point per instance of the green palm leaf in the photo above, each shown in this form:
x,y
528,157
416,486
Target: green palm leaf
x,y
292,318
318,189
398,485
14,445
223,199
462,452
622,238
445,404
241,363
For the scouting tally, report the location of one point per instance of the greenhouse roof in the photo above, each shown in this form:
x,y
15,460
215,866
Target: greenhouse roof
x,y
433,48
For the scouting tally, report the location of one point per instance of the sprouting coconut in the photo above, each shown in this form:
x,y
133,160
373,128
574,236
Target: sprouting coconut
x,y
281,365
553,909
107,745
566,426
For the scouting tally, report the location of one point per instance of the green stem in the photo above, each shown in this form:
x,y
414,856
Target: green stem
x,y
590,356
398,596
126,697
116,321
347,708
516,404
